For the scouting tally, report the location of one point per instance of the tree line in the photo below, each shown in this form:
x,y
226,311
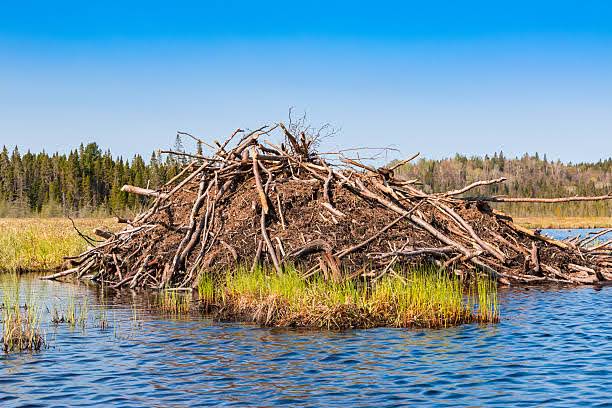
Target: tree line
x,y
88,181
527,176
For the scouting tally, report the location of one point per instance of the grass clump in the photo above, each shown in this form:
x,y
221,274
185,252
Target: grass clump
x,y
20,325
420,298
488,308
174,302
37,244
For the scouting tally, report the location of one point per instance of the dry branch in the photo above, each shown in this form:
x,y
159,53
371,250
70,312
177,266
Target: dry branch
x,y
340,220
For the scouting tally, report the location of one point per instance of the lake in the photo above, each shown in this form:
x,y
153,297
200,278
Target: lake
x,y
553,347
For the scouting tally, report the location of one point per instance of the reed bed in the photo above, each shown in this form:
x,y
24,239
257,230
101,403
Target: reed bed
x,y
39,244
174,302
20,325
421,298
564,222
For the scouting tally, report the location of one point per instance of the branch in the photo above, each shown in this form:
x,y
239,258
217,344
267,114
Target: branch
x,y
537,200
475,184
141,191
411,158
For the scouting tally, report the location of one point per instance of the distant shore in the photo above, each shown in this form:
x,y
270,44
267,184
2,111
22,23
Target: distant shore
x,y
564,222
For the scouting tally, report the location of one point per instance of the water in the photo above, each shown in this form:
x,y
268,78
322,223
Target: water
x,y
569,233
552,347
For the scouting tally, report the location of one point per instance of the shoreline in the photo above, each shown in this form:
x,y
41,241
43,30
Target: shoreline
x,y
551,222
37,245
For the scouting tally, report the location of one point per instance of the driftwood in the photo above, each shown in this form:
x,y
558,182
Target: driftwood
x,y
140,191
257,203
538,200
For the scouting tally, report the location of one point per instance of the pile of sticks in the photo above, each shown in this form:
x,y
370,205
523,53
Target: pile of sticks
x,y
252,202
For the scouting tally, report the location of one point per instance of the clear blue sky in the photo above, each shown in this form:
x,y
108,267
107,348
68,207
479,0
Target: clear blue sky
x,y
438,77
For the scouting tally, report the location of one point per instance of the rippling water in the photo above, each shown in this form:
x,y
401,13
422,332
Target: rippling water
x,y
552,347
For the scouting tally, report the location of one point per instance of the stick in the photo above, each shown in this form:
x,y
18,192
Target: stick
x,y
141,191
474,185
373,237
271,251
257,256
537,200
280,211
263,198
419,251
60,274
594,237
411,158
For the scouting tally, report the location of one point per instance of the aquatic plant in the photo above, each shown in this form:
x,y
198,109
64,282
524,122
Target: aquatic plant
x,y
102,314
56,318
20,325
71,311
488,307
206,289
83,314
424,297
174,302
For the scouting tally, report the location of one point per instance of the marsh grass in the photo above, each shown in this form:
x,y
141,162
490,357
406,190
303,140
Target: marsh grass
x,y
102,316
564,222
38,244
20,325
488,306
71,311
75,315
424,297
174,302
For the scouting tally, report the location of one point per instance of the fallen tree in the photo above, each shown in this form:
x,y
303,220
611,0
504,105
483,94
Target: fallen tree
x,y
254,202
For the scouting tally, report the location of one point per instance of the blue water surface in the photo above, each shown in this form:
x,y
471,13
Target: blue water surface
x,y
553,347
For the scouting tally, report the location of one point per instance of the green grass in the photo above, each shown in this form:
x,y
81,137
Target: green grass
x,y
174,302
38,244
20,325
420,298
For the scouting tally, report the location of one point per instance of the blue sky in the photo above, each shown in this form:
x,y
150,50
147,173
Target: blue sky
x,y
437,77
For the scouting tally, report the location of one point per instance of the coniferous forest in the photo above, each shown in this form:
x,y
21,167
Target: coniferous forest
x,y
87,181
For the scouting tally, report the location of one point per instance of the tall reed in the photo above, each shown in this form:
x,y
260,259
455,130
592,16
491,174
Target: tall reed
x,y
424,297
20,325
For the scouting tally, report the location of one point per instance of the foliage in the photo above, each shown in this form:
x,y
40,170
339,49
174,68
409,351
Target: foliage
x,y
86,181
528,176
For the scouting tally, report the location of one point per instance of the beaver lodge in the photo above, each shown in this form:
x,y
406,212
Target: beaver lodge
x,y
283,212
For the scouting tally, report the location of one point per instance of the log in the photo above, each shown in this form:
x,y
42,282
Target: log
x,y
535,258
60,274
102,233
141,191
532,234
537,200
263,198
474,185
318,245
